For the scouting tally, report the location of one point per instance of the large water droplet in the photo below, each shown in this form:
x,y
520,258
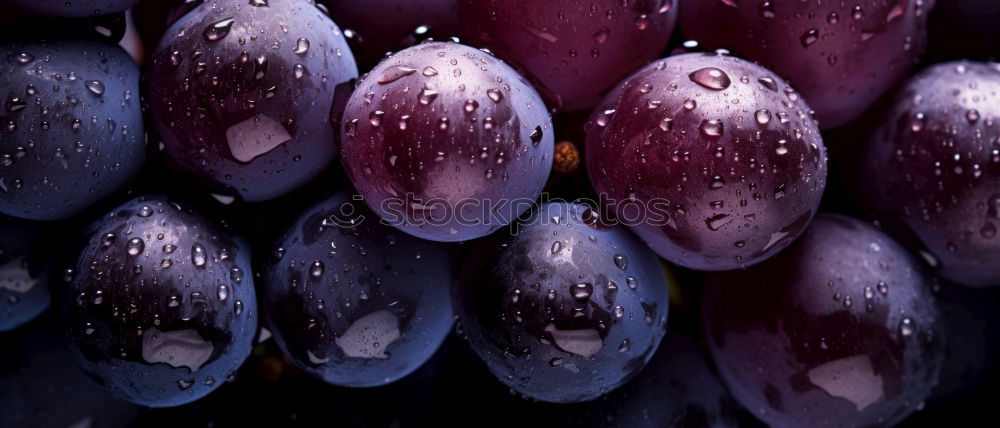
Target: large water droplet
x,y
711,78
135,246
94,86
218,30
301,46
395,73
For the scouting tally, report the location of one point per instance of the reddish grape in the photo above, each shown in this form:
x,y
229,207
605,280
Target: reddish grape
x,y
242,93
841,55
841,329
446,142
934,170
572,52
712,160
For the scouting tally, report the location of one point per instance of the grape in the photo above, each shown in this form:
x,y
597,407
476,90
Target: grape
x,y
565,310
933,168
572,52
242,93
162,306
712,160
384,25
24,278
42,386
72,8
840,329
840,55
71,129
446,142
354,302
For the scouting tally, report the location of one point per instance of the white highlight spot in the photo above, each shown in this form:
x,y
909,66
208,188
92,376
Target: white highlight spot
x,y
584,342
181,348
255,136
370,335
14,276
851,378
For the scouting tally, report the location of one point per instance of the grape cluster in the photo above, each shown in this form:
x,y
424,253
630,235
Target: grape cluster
x,y
607,213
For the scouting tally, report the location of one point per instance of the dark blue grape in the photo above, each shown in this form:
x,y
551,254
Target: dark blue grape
x,y
565,310
161,305
71,129
242,93
354,302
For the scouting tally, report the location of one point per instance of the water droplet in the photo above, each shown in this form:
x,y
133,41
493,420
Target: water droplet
x,y
218,30
666,124
711,78
582,291
495,95
316,269
198,256
536,136
601,35
717,221
258,3
471,106
427,96
631,282
395,73
135,246
768,83
223,292
809,37
763,116
429,71
24,58
301,46
621,261
95,87
711,128
299,70
906,326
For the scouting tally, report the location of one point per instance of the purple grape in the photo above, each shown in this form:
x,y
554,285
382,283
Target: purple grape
x,y
573,52
840,55
161,306
71,130
713,161
354,302
446,142
933,168
72,8
242,93
384,25
566,309
840,329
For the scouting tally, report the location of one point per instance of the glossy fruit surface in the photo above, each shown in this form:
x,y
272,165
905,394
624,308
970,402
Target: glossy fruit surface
x,y
354,302
566,309
162,306
933,170
573,52
385,25
24,276
72,8
243,94
841,329
713,161
446,142
71,130
840,55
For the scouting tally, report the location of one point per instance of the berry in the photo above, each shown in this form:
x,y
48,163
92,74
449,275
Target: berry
x,y
354,302
446,142
712,160
566,309
162,306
